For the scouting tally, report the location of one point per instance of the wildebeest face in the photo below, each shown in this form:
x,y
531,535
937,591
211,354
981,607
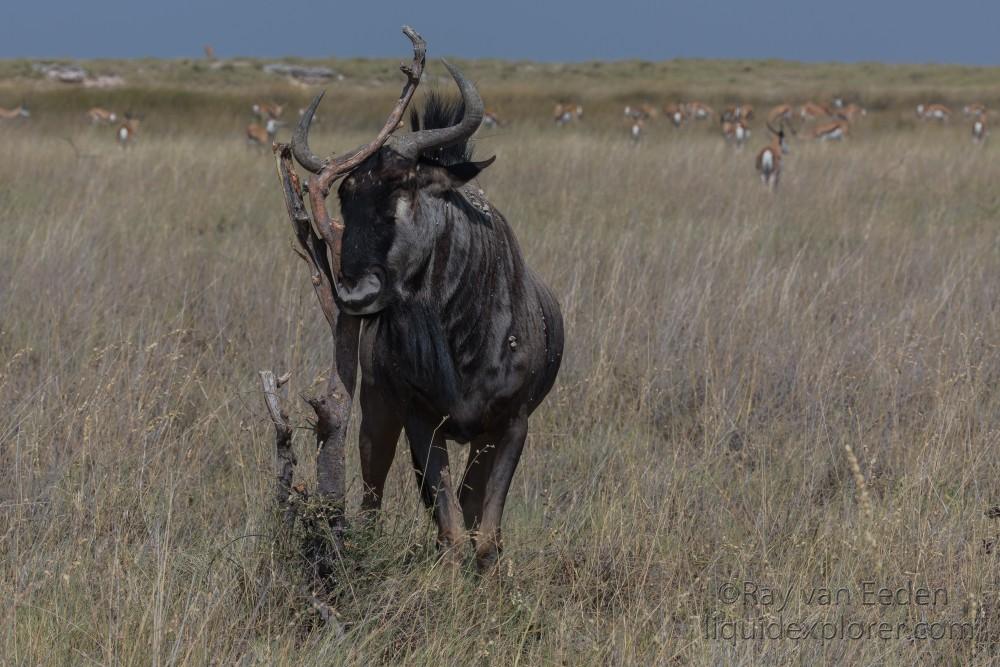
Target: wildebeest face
x,y
393,199
392,221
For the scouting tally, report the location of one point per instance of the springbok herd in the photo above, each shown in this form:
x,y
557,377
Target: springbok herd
x,y
821,122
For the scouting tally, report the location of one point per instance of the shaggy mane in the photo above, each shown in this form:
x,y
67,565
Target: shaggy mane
x,y
439,112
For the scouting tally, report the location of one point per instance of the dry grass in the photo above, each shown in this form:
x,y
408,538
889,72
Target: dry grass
x,y
725,349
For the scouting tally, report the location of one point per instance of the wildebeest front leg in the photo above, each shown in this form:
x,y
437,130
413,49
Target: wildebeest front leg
x,y
430,462
380,427
472,492
509,445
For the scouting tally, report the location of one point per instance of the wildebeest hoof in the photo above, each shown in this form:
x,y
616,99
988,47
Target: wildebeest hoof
x,y
451,554
486,562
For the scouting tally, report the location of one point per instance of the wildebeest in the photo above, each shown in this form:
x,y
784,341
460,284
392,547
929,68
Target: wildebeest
x,y
460,340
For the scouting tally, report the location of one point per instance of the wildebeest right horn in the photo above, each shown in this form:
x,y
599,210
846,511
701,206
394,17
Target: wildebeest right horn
x,y
412,144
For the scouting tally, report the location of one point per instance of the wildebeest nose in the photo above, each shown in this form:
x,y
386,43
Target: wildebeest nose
x,y
361,292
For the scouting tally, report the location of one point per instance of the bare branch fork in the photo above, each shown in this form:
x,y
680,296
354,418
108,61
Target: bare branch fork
x,y
319,237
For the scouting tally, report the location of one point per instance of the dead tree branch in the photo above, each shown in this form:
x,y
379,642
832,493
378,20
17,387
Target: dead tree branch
x,y
282,441
319,237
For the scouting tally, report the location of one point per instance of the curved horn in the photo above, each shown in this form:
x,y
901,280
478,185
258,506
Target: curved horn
x,y
412,144
300,139
328,170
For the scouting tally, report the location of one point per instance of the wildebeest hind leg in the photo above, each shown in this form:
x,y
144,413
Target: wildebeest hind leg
x,y
489,542
430,462
380,428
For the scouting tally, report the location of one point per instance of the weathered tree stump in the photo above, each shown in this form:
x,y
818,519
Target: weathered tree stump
x,y
319,238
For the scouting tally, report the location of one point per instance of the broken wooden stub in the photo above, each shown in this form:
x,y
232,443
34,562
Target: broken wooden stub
x,y
332,407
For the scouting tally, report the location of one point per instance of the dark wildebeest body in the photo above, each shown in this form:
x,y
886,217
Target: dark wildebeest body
x,y
460,340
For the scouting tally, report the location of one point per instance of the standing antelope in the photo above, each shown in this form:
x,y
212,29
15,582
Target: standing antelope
x,y
676,114
492,120
269,111
781,113
735,132
127,130
698,111
769,158
638,125
20,111
99,116
262,135
832,131
642,111
851,112
812,111
974,110
566,113
938,112
743,112
979,129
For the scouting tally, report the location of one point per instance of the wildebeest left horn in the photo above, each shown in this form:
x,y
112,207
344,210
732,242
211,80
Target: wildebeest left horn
x,y
329,169
412,144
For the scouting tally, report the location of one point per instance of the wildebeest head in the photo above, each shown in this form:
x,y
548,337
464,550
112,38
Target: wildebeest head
x,y
393,204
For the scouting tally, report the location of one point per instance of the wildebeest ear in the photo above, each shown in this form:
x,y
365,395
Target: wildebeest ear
x,y
439,178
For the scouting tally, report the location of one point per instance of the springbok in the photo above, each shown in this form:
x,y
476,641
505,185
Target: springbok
x,y
492,120
938,112
979,129
832,131
851,112
974,110
769,158
676,114
99,116
269,111
738,112
812,111
638,125
698,111
735,132
127,130
566,113
258,135
781,113
642,111
20,111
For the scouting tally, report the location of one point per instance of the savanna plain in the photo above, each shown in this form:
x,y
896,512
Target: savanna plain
x,y
796,391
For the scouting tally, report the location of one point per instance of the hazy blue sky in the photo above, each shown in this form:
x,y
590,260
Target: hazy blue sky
x,y
959,31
